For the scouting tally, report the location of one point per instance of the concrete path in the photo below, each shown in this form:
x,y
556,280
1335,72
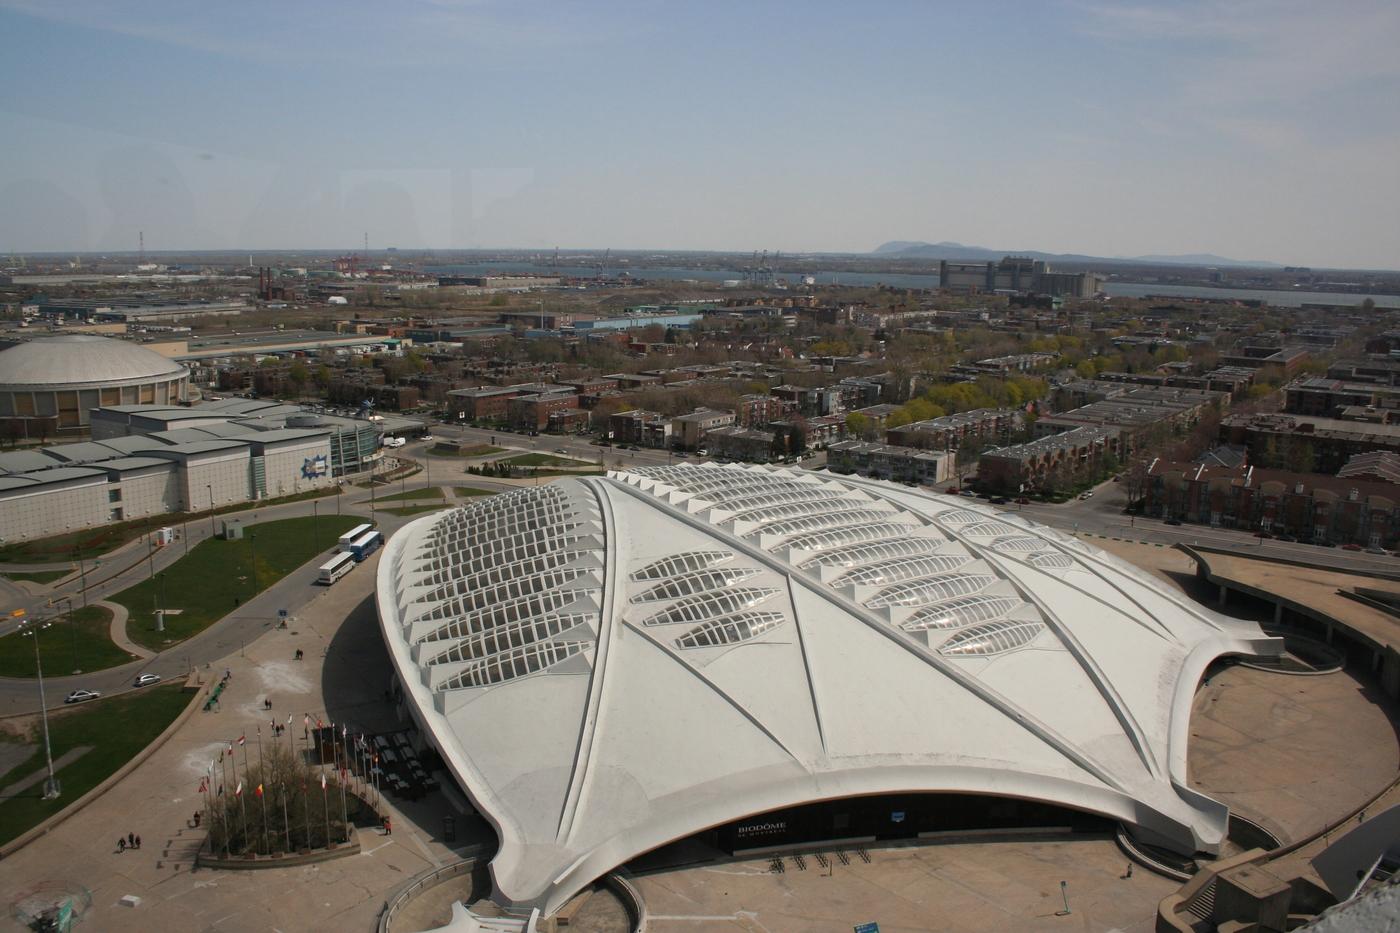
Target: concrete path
x,y
118,630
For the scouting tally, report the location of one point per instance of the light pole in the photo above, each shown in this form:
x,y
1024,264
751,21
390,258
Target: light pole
x,y
253,547
51,785
82,572
210,487
73,627
315,521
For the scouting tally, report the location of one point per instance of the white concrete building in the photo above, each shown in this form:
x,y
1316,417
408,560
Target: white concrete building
x,y
610,664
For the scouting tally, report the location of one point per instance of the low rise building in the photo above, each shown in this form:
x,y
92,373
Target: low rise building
x,y
1323,445
484,403
885,461
532,411
688,431
951,431
1306,506
739,443
1047,462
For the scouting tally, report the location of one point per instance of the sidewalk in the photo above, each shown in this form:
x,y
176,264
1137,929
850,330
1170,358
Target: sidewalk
x,y
341,680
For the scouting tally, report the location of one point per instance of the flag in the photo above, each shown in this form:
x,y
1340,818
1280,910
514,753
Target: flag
x,y
289,719
238,791
242,739
259,790
323,782
203,785
306,720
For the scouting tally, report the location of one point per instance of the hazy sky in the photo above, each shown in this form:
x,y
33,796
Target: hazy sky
x,y
1253,130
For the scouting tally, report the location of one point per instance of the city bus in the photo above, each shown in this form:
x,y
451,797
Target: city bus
x,y
335,568
345,540
365,545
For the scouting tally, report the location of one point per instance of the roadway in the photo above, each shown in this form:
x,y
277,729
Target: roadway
x,y
1099,515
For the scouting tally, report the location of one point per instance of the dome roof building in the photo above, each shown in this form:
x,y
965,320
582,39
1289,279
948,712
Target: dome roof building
x,y
51,383
610,664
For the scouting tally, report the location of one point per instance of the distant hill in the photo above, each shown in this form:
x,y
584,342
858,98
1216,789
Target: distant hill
x,y
913,249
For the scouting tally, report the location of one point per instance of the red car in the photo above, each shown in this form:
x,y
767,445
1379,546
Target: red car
x,y
1351,547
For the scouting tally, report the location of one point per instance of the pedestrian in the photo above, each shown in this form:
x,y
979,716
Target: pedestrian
x,y
138,842
388,827
121,844
131,839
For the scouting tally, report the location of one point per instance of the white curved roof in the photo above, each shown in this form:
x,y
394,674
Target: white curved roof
x,y
609,664
81,359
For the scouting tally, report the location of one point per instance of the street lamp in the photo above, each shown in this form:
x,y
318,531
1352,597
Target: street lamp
x,y
315,521
253,547
51,785
82,572
210,487
72,627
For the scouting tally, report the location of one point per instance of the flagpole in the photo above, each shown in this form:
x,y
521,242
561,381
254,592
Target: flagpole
x,y
223,809
286,827
306,811
344,814
262,780
326,809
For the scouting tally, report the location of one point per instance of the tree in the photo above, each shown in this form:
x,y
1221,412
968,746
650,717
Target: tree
x,y
857,424
298,374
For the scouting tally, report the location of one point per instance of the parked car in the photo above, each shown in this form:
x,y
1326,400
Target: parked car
x,y
1087,495
1288,538
145,680
1000,500
1173,521
427,438
561,450
1262,534
1351,547
1377,550
81,696
968,493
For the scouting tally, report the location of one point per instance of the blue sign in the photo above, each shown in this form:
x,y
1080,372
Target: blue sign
x,y
313,467
897,816
867,928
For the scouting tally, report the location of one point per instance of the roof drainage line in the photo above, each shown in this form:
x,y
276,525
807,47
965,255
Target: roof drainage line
x,y
589,726
1165,593
807,666
969,683
699,675
1086,661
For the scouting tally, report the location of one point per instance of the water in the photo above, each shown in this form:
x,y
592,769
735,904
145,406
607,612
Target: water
x,y
1282,299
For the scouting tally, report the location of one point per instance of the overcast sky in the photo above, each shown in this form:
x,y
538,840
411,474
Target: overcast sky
x,y
1253,130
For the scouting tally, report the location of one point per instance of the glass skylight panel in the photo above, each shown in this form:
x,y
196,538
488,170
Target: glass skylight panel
x,y
805,493
710,605
730,630
919,592
506,637
1015,543
514,610
830,519
535,563
518,662
987,528
680,563
960,516
961,612
511,588
901,568
1051,560
788,510
879,550
991,638
852,534
697,581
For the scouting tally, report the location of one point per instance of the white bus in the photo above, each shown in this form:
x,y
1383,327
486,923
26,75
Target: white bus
x,y
345,540
365,545
335,568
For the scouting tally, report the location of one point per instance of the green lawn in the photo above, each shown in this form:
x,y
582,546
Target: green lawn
x,y
116,729
94,542
40,576
416,509
546,474
532,460
465,491
84,645
473,450
428,492
217,576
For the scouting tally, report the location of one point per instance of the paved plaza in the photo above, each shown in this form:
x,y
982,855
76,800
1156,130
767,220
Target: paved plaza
x,y
158,800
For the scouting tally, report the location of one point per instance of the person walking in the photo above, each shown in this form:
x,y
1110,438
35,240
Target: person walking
x,y
388,827
138,842
121,844
131,840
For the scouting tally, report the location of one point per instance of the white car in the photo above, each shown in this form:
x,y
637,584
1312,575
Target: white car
x,y
1087,495
81,696
428,438
145,680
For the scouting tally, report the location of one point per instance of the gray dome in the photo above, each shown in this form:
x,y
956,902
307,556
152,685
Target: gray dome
x,y
80,359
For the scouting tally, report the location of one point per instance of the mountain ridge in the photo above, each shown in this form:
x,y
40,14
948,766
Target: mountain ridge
x,y
946,249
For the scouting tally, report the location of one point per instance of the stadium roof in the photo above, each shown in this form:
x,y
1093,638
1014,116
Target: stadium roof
x,y
82,359
611,664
